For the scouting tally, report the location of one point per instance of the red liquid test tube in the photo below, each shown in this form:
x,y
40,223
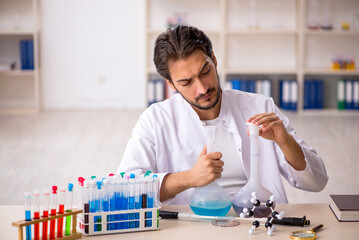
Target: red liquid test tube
x,y
53,212
61,203
45,212
36,208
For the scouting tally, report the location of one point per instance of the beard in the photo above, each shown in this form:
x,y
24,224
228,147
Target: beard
x,y
210,90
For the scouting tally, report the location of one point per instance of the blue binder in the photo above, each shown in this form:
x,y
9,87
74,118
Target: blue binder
x,y
23,55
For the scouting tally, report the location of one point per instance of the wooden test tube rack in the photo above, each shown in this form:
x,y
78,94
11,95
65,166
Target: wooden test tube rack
x,y
74,234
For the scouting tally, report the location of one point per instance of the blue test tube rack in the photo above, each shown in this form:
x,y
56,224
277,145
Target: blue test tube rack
x,y
109,225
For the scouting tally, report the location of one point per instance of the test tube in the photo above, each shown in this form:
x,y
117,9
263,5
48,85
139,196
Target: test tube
x,y
131,199
86,207
28,214
149,180
69,199
45,212
156,197
98,204
80,196
156,186
138,199
125,194
61,204
36,208
106,199
112,197
144,192
53,203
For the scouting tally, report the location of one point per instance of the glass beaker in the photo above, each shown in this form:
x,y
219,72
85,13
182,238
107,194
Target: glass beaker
x,y
212,199
242,198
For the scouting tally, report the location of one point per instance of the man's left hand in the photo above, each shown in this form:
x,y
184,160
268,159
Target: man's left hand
x,y
272,127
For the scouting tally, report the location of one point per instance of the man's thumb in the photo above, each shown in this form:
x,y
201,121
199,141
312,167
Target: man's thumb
x,y
204,151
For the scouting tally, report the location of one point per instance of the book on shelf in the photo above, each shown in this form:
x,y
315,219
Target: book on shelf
x,y
288,98
313,94
27,54
253,86
348,94
158,90
345,207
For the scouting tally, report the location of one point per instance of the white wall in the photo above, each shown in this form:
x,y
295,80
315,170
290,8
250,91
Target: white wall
x,y
92,53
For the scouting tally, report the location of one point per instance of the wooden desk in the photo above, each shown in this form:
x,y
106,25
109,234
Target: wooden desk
x,y
204,230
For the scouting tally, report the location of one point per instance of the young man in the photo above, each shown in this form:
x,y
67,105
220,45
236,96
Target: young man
x,y
169,137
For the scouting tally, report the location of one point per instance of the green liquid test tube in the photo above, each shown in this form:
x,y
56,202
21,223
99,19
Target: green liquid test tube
x,y
68,209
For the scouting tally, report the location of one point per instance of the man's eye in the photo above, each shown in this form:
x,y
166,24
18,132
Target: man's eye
x,y
186,83
204,73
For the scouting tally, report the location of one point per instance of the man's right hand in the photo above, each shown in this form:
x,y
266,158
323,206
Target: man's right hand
x,y
207,168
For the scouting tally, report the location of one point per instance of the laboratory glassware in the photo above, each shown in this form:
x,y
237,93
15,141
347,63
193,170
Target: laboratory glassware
x,y
36,208
28,214
212,199
242,198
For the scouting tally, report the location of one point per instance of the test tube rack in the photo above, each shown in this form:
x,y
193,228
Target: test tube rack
x,y
106,222
74,234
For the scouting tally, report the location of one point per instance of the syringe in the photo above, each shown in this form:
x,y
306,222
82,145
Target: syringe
x,y
36,208
28,214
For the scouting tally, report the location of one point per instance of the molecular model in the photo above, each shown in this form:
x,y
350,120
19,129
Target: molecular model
x,y
268,224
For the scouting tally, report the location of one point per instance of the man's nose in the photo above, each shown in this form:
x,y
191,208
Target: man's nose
x,y
201,87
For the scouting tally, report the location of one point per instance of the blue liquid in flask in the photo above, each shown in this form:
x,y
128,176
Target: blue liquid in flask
x,y
219,209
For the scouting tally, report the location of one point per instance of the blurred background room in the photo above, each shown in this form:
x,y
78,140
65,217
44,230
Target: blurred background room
x,y
75,75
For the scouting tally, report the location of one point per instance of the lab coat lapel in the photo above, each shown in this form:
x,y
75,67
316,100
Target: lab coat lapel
x,y
236,123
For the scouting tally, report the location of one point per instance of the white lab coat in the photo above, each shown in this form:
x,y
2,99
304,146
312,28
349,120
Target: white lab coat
x,y
169,137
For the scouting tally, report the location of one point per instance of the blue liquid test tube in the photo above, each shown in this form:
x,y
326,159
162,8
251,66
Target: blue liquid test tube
x,y
149,181
106,199
93,202
118,204
112,199
131,199
98,204
125,191
28,214
138,199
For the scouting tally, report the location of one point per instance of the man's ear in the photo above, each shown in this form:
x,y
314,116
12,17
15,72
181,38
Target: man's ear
x,y
171,85
214,59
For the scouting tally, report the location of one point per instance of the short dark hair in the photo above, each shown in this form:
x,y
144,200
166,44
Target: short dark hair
x,y
178,43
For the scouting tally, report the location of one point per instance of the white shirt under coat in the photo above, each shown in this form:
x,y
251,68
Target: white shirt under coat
x,y
169,137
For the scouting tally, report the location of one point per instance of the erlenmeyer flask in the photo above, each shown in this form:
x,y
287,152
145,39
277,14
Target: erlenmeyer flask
x,y
212,199
242,198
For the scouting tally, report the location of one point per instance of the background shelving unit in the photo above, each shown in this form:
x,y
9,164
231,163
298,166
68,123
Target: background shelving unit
x,y
280,48
19,89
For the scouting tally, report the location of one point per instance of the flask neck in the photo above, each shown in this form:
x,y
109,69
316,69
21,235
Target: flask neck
x,y
254,158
